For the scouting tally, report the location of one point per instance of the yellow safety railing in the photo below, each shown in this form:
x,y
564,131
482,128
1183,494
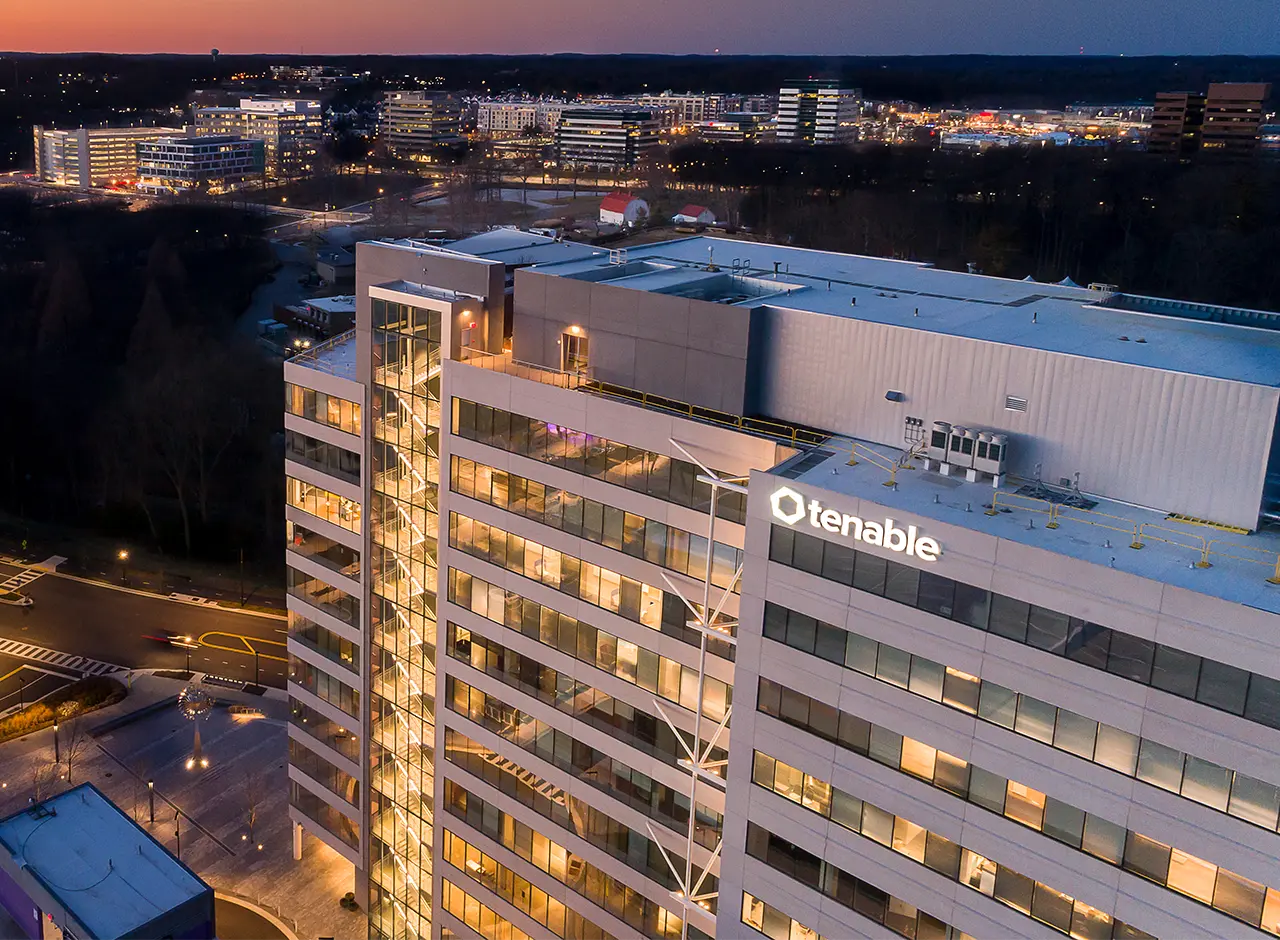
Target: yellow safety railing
x,y
889,465
1197,543
1254,556
767,427
1141,534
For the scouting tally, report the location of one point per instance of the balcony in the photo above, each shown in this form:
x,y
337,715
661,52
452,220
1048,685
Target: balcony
x,y
526,370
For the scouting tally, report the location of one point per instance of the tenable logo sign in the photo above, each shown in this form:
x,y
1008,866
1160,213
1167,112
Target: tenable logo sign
x,y
790,507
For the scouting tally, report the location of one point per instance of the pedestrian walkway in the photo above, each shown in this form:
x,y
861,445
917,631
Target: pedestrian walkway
x,y
47,657
23,578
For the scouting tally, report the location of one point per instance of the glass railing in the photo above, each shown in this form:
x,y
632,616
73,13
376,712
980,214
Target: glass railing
x,y
525,370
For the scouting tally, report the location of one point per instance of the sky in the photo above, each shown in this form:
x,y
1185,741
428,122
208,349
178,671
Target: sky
x,y
814,27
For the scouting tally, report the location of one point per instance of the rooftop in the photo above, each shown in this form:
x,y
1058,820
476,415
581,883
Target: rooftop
x,y
514,247
344,303
101,866
1240,563
336,356
1149,332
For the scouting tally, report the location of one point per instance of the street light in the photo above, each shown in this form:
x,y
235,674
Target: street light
x,y
123,555
151,798
57,751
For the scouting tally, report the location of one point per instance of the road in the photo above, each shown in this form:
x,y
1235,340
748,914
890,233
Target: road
x,y
120,627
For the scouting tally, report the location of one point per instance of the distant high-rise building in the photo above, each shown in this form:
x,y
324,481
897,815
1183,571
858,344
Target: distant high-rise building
x,y
416,124
289,128
818,111
1232,116
96,156
1225,121
1175,123
212,164
617,137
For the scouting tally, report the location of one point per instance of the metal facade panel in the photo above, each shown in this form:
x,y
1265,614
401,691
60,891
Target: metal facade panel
x,y
1123,428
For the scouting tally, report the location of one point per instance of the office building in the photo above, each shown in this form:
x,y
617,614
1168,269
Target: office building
x,y
605,137
818,111
325,577
499,119
737,127
1233,114
290,129
205,164
760,589
92,156
1175,123
416,125
1226,122
690,108
76,865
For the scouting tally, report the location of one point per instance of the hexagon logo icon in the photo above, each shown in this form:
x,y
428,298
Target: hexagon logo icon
x,y
788,505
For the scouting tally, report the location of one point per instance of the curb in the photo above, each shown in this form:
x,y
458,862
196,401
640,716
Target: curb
x,y
164,597
260,911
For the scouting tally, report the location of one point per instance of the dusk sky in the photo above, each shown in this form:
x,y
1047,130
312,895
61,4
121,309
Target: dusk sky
x,y
824,27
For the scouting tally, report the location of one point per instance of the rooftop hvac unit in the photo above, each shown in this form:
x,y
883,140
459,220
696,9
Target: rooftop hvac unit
x,y
963,444
938,441
990,454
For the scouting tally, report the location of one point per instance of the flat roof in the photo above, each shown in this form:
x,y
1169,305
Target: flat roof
x,y
516,247
1080,534
102,867
913,295
336,356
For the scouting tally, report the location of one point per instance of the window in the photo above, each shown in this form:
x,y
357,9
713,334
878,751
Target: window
x,y
1215,684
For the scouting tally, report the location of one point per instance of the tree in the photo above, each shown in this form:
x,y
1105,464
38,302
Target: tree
x,y
252,793
75,741
67,311
44,778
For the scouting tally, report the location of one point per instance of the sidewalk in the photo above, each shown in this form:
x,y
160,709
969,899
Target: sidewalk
x,y
248,759
97,558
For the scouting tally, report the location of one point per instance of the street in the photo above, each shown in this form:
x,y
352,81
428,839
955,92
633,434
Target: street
x,y
132,629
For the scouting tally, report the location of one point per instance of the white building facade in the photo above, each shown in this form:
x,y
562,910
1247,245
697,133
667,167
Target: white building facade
x,y
290,129
92,156
818,111
643,666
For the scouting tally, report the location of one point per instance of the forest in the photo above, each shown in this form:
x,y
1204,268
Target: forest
x,y
1204,231
132,406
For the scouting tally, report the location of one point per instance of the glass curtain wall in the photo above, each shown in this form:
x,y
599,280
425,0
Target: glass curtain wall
x,y
404,528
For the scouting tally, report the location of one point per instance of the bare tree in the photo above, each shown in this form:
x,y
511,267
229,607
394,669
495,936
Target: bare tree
x,y
75,742
252,794
44,777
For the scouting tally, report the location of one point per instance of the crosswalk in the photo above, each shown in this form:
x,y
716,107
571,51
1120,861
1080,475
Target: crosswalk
x,y
23,578
47,657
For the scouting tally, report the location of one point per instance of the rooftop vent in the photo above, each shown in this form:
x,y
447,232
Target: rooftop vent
x,y
1014,403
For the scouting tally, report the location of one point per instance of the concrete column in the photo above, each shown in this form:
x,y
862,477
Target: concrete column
x,y
362,888
297,842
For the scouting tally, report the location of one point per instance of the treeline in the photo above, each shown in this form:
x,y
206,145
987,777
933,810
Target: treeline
x,y
132,406
1204,231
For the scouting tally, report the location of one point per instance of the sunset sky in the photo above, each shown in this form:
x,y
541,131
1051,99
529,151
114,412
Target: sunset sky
x,y
824,27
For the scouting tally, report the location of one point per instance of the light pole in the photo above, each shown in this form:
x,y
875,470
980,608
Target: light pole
x,y
123,555
242,577
151,798
57,751
177,830
255,667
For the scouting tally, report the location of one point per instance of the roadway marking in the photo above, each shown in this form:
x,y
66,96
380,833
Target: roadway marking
x,y
247,648
47,657
25,577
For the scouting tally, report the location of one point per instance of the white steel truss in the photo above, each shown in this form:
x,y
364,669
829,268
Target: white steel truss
x,y
697,760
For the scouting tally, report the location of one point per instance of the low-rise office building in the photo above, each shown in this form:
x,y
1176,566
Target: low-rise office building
x,y
92,156
289,128
76,865
760,589
501,119
416,125
737,127
205,164
605,137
